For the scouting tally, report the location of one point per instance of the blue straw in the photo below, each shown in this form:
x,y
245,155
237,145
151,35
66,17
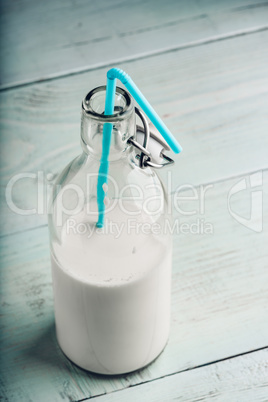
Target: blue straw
x,y
144,104
106,143
108,127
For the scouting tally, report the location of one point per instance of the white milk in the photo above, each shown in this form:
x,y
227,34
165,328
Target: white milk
x,y
112,294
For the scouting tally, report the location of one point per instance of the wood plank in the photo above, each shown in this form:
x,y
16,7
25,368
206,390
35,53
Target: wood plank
x,y
214,99
219,303
43,40
244,378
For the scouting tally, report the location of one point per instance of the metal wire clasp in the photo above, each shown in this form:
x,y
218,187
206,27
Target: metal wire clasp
x,y
145,156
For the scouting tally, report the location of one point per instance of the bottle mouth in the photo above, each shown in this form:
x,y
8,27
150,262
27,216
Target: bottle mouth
x,y
94,104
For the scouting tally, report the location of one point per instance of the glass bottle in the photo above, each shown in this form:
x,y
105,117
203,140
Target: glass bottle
x,y
112,284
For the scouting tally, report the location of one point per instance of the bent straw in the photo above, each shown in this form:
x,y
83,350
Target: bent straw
x,y
144,104
112,75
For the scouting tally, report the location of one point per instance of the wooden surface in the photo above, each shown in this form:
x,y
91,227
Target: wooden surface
x,y
240,379
58,38
204,67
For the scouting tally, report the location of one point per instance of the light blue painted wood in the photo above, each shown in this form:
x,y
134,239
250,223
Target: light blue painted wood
x,y
47,39
241,379
214,100
219,304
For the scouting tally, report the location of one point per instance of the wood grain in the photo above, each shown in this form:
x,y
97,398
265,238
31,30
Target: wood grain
x,y
42,40
214,100
244,378
219,304
203,66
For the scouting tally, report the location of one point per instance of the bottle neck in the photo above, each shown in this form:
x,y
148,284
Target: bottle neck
x,y
93,120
